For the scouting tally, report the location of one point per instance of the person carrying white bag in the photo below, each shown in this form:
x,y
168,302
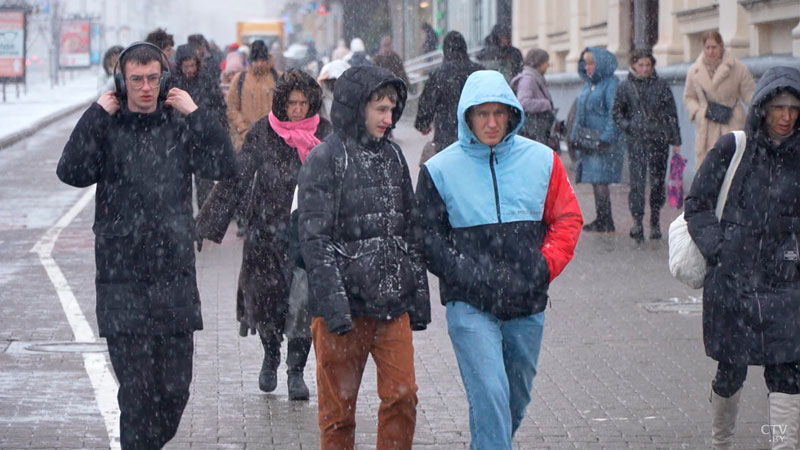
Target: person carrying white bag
x,y
751,296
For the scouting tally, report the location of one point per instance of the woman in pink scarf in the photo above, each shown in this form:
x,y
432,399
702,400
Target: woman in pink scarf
x,y
270,159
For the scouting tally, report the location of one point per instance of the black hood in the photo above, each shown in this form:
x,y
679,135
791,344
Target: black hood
x,y
351,94
774,81
184,52
454,47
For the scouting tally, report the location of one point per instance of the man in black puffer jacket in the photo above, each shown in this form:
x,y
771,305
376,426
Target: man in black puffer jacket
x,y
141,147
206,93
367,282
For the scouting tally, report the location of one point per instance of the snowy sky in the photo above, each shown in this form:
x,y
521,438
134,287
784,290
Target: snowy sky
x,y
216,19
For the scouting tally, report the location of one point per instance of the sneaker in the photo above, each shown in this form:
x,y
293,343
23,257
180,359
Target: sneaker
x,y
637,233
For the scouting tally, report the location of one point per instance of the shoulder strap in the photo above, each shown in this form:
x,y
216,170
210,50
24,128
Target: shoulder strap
x,y
241,85
339,167
741,143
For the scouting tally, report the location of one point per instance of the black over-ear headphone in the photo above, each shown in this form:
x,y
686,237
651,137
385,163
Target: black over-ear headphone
x,y
119,76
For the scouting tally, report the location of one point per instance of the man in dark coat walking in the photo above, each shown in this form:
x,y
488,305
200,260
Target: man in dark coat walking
x,y
206,93
390,60
644,109
141,147
367,283
498,53
439,100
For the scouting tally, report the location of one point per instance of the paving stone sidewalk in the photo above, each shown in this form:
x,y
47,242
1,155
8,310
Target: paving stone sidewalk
x,y
622,363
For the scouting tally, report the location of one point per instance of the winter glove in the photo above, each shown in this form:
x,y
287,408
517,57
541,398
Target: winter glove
x,y
340,324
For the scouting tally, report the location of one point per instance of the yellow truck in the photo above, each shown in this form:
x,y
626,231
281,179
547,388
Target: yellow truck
x,y
269,31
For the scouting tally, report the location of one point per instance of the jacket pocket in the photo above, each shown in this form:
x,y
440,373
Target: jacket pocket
x,y
359,265
521,288
376,271
115,251
785,259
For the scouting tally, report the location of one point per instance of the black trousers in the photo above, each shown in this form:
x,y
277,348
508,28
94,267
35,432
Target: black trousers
x,y
154,373
784,378
647,159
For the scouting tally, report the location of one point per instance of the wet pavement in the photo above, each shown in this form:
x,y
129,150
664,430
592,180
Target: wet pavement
x,y
622,363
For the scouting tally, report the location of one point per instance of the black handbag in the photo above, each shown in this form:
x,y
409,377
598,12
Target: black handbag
x,y
587,140
717,112
538,126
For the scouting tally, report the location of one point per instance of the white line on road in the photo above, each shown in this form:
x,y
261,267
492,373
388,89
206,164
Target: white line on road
x,y
97,367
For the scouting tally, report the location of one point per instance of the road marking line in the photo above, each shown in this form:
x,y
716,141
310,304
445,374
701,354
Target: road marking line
x,y
96,365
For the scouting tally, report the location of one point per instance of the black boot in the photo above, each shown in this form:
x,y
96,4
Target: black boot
x,y
296,357
655,224
637,230
268,377
604,222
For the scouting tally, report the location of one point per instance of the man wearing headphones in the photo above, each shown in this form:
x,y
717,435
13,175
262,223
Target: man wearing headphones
x,y
140,145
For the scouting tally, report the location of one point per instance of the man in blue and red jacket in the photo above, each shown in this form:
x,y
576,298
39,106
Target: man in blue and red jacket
x,y
501,221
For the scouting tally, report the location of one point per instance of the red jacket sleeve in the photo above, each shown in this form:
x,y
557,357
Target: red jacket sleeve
x,y
563,219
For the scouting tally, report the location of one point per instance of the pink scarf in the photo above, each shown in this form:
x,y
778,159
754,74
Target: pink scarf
x,y
298,135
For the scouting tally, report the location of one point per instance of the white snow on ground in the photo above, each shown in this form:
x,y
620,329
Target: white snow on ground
x,y
42,102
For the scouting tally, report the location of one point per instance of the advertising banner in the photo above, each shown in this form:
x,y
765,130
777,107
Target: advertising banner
x,y
12,45
75,44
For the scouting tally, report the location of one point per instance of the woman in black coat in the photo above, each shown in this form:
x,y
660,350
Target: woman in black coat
x,y
269,162
644,109
751,297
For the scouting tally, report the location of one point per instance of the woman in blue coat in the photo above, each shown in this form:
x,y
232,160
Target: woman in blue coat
x,y
600,163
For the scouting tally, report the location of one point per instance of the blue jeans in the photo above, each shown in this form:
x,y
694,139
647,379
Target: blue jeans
x,y
497,360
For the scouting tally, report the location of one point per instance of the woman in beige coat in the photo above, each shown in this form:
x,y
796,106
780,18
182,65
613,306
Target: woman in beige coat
x,y
719,77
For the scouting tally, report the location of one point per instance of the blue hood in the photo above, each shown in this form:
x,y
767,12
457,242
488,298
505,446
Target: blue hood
x,y
605,64
486,86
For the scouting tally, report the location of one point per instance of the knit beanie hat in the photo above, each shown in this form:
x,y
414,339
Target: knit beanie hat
x,y
259,50
234,62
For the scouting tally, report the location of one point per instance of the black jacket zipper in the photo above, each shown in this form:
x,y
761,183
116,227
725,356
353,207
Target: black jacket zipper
x,y
492,161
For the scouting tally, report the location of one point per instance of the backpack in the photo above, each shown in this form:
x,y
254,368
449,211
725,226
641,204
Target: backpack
x,y
240,85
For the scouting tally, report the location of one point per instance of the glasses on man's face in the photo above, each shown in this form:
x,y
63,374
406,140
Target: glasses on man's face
x,y
137,81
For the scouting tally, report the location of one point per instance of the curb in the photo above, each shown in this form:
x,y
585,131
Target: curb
x,y
7,141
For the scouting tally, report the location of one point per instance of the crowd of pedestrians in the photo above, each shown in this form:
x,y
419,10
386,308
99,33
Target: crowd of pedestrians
x,y
337,242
